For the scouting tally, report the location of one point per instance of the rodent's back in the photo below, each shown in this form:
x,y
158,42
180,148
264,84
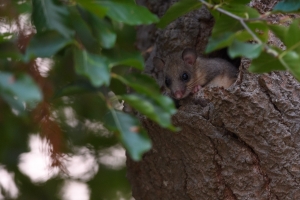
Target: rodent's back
x,y
217,72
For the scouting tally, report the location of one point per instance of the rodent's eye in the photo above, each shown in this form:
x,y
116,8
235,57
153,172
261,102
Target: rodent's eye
x,y
184,77
167,82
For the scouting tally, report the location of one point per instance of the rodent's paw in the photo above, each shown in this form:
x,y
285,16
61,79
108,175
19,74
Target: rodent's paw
x,y
196,89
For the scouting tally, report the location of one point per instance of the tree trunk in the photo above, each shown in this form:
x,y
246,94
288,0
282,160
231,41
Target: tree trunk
x,y
239,143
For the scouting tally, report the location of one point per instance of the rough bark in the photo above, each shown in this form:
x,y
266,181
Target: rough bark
x,y
239,143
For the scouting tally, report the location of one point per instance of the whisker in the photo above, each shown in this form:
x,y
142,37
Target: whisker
x,y
194,83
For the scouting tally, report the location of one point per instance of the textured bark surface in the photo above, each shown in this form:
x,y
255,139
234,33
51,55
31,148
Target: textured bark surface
x,y
240,143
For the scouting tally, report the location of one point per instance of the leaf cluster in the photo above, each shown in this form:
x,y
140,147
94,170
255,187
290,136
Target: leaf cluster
x,y
245,32
65,74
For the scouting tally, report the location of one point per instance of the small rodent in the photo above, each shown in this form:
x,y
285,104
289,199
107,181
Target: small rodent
x,y
189,73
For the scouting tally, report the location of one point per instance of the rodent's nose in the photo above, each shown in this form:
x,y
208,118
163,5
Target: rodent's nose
x,y
178,94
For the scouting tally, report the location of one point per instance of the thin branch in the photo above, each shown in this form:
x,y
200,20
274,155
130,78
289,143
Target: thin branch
x,y
250,31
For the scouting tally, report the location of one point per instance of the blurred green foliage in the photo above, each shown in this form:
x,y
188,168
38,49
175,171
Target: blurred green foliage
x,y
75,99
70,101
237,24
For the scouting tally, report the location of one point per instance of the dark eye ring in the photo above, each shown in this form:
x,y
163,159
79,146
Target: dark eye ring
x,y
184,77
167,81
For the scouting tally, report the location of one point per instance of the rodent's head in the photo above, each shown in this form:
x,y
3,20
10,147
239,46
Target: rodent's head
x,y
178,71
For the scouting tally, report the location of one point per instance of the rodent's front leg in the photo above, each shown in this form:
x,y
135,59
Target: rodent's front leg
x,y
196,89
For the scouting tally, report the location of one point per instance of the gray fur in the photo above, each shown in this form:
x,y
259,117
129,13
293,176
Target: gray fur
x,y
201,71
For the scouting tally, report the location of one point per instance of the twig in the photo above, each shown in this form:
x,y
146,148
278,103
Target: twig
x,y
242,21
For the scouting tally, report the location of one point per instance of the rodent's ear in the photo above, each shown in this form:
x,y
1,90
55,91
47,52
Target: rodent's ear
x,y
158,63
189,56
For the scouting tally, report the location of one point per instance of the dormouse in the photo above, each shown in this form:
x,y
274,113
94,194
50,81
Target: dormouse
x,y
188,73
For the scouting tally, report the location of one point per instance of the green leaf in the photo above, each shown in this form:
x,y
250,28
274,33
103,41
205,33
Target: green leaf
x,y
92,66
103,31
166,103
122,57
78,87
9,49
220,41
116,85
23,7
147,86
289,36
225,24
291,61
223,36
229,1
131,135
12,142
151,109
83,32
242,11
287,6
93,7
47,14
235,1
45,44
280,31
106,35
223,32
89,106
260,29
243,36
178,9
29,190
129,13
247,50
140,82
126,37
4,37
110,183
265,63
19,91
